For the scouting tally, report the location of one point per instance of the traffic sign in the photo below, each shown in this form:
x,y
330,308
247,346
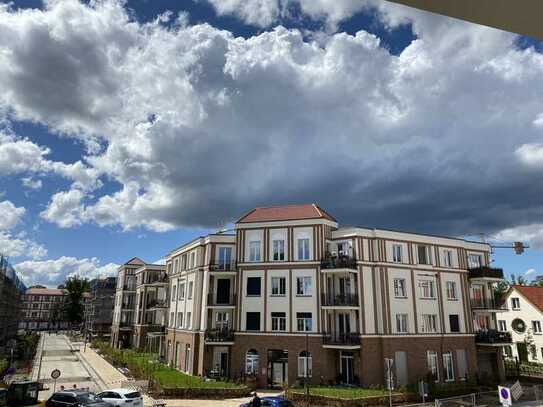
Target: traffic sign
x,y
505,396
55,374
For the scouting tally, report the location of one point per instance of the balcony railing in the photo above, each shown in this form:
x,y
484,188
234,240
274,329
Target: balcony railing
x,y
219,335
161,303
213,300
230,266
338,262
484,271
487,304
492,336
341,339
129,287
339,300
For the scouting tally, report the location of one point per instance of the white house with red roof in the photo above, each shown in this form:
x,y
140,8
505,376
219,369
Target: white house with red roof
x,y
525,321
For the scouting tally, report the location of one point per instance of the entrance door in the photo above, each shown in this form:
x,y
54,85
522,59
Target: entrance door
x,y
224,364
277,368
223,291
347,367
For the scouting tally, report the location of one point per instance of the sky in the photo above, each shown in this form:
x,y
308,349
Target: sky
x,y
130,127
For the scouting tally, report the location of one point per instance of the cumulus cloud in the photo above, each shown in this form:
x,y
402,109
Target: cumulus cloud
x,y
54,272
195,126
31,183
10,215
20,246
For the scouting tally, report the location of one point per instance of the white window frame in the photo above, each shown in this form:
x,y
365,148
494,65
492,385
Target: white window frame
x,y
427,289
181,291
251,363
189,320
397,251
180,320
303,251
429,323
448,367
255,254
536,327
190,290
305,364
433,365
427,255
278,250
279,286
279,324
306,286
515,303
472,263
400,288
402,324
502,325
452,293
305,323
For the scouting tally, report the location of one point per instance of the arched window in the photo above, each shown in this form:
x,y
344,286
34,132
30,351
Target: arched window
x,y
251,362
305,364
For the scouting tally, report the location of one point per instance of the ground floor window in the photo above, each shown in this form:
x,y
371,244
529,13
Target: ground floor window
x,y
432,364
251,362
187,359
448,368
305,364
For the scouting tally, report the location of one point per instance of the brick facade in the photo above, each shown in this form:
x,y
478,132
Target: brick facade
x,y
184,338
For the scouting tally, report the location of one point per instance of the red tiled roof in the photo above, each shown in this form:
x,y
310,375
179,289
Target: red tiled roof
x,y
532,293
287,212
45,291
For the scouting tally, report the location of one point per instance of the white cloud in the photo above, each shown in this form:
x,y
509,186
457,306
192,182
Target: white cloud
x,y
19,246
532,233
196,125
54,272
31,183
10,215
531,154
530,272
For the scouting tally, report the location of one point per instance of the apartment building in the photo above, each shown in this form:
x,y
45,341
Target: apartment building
x,y
12,290
101,302
202,307
122,329
524,320
151,307
291,295
43,309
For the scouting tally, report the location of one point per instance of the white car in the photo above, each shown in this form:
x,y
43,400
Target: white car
x,y
122,397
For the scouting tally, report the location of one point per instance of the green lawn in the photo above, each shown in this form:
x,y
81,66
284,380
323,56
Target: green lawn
x,y
343,392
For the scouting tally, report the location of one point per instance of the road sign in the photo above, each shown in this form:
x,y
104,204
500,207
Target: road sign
x,y
505,396
55,374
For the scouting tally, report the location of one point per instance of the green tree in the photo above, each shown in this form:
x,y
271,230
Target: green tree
x,y
74,307
500,290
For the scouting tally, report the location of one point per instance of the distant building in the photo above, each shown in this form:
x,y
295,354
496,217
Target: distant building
x,y
12,290
43,309
99,312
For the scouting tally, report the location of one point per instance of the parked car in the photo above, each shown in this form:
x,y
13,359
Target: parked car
x,y
276,401
75,398
122,397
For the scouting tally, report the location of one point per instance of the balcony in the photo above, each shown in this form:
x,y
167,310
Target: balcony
x,y
337,339
219,335
217,301
129,287
487,304
228,266
492,337
340,300
160,303
338,262
486,272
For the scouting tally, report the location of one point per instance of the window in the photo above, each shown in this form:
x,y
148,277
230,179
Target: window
x,y
400,290
251,362
474,261
515,303
252,321
191,286
536,327
422,252
447,258
189,320
278,250
279,285
303,249
427,289
462,365
448,368
225,258
180,320
303,285
429,323
304,321
176,265
254,250
279,321
193,260
172,320
432,364
502,325
182,291
454,323
451,290
253,286
184,262
401,323
221,321
397,253
305,364
174,293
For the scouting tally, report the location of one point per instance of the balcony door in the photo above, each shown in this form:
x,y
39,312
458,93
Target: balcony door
x,y
346,367
344,286
223,291
221,321
344,324
225,258
477,295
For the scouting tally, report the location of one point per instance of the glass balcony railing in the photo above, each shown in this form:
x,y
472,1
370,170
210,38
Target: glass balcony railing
x,y
338,262
492,336
223,266
487,304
